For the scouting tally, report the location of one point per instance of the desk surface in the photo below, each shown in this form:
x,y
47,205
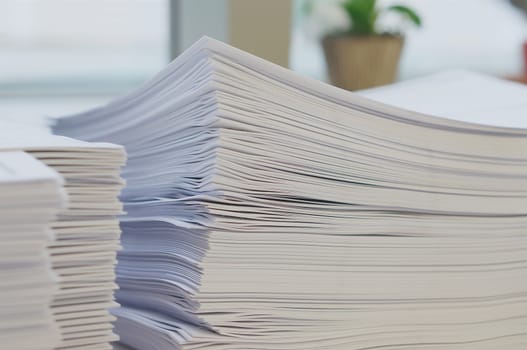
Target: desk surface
x,y
35,110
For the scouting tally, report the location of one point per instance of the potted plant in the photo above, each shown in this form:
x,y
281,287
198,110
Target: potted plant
x,y
361,55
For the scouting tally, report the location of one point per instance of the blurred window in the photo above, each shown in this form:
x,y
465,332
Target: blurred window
x,y
81,47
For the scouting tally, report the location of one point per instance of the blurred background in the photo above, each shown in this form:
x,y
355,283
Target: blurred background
x,y
62,56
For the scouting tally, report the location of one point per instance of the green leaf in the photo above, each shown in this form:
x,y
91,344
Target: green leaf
x,y
406,12
363,14
362,6
307,7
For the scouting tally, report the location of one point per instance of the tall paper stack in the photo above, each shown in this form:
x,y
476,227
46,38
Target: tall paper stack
x,y
87,232
270,211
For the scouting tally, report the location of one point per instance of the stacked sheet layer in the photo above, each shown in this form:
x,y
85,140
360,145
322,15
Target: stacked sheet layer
x,y
30,198
87,233
269,211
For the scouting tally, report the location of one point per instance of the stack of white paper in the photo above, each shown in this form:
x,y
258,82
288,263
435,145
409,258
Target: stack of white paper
x,y
270,211
30,198
87,232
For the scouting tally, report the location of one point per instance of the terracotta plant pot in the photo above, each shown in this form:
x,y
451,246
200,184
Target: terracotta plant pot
x,y
360,62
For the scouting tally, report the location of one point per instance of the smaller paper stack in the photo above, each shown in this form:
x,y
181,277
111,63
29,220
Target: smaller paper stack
x,y
87,232
30,198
